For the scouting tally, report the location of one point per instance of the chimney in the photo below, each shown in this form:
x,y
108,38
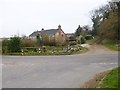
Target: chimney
x,y
42,29
59,27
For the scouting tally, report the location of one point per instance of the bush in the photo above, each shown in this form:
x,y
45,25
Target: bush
x,y
15,53
5,46
26,49
82,40
14,44
27,43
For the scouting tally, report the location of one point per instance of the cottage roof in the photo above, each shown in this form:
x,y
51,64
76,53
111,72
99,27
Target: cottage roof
x,y
48,32
34,33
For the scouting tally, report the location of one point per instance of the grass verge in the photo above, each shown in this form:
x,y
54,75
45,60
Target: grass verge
x,y
47,53
110,80
111,45
92,41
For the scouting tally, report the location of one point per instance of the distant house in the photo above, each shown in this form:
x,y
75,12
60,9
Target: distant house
x,y
55,35
70,37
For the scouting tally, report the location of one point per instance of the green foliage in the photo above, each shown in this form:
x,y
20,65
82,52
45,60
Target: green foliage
x,y
14,44
5,44
26,49
48,50
78,31
39,41
82,39
105,21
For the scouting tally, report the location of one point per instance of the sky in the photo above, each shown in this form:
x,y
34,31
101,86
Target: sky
x,y
22,17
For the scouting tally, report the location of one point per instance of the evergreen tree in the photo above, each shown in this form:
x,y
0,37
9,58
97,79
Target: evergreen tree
x,y
78,31
14,44
38,39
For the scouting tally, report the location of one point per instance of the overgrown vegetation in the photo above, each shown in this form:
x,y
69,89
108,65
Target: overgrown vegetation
x,y
26,46
50,50
82,34
38,40
111,80
12,45
25,42
106,24
111,44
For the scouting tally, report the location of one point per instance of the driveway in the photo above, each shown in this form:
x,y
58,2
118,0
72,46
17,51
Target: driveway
x,y
69,71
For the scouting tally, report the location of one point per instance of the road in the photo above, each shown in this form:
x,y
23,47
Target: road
x,y
70,71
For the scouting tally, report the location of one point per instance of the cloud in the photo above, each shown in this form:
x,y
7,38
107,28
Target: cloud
x,y
26,16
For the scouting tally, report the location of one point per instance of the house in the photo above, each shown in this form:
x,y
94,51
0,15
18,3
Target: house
x,y
70,37
54,35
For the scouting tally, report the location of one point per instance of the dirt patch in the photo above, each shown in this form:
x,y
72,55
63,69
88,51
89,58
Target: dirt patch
x,y
98,49
93,83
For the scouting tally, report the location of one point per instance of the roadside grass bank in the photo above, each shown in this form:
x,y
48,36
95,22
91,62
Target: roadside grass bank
x,y
111,45
110,80
93,83
107,79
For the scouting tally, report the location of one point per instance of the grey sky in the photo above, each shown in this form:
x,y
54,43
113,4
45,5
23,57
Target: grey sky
x,y
25,16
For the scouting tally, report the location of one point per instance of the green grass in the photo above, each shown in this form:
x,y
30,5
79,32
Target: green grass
x,y
111,45
92,41
111,80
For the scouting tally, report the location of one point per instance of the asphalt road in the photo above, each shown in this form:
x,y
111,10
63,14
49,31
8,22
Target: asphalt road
x,y
56,71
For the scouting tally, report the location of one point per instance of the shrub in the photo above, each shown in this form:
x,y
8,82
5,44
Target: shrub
x,y
26,49
14,44
5,46
38,40
82,40
27,43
